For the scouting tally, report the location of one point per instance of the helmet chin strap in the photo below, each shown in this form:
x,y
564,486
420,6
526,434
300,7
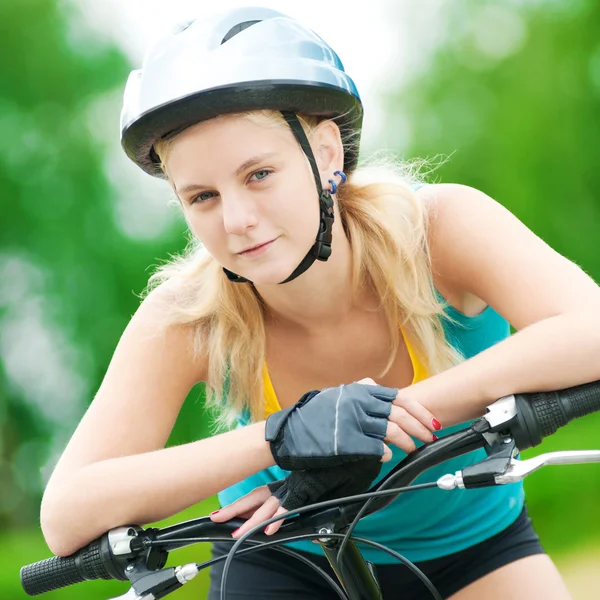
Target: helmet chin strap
x,y
321,249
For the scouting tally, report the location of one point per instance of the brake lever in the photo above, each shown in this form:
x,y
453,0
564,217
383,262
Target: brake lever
x,y
149,584
133,595
501,450
517,470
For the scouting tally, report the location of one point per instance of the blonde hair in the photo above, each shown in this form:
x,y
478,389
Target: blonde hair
x,y
387,227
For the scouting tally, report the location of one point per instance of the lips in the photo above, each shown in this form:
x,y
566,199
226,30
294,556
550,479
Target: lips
x,y
256,247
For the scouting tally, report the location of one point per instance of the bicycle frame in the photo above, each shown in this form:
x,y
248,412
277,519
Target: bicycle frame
x,y
356,575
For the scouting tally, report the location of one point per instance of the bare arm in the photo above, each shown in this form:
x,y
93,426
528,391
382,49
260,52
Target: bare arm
x,y
483,255
115,469
148,487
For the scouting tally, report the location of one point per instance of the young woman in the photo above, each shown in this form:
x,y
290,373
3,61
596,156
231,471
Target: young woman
x,y
310,273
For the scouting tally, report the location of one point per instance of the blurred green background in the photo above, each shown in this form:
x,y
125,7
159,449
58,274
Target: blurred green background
x,y
509,91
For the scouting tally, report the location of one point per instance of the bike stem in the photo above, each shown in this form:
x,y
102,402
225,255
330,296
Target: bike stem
x,y
357,576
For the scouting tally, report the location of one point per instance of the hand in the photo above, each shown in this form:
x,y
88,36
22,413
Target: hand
x,y
331,427
257,506
299,489
411,417
408,418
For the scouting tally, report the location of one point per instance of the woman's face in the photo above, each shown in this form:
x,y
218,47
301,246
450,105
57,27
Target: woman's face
x,y
248,194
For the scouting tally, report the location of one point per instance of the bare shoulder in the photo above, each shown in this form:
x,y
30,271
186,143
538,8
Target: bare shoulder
x,y
154,328
445,204
482,254
151,372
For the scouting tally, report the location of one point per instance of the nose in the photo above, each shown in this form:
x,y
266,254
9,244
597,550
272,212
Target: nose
x,y
239,214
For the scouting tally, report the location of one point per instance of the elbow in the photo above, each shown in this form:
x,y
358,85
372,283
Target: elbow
x,y
56,529
69,523
51,532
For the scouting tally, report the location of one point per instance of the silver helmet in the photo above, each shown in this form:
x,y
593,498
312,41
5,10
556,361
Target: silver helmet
x,y
241,59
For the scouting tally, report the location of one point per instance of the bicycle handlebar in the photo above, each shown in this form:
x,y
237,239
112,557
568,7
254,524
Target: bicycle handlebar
x,y
538,415
527,417
94,561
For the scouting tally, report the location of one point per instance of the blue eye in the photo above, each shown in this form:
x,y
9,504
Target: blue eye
x,y
203,197
262,174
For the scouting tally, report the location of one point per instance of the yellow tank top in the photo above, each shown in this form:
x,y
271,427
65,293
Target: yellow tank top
x,y
272,404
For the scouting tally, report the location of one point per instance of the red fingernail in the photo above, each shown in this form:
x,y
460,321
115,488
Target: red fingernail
x,y
267,529
436,424
214,512
236,531
435,437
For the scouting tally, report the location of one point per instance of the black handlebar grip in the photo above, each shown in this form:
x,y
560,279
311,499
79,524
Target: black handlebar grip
x,y
582,399
50,574
94,561
541,414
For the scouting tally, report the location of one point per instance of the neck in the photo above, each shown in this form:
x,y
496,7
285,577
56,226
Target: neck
x,y
321,297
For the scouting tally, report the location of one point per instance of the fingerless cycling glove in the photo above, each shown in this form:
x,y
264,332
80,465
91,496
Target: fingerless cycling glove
x,y
331,427
301,488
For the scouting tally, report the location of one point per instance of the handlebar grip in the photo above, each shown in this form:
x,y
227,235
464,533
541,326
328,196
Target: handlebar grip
x,y
93,561
583,399
541,414
50,574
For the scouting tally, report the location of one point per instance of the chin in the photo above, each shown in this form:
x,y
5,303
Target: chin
x,y
267,274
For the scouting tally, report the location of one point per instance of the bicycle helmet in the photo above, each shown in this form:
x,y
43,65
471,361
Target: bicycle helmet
x,y
242,59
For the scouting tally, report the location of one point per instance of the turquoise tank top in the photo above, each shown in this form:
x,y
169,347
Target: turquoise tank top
x,y
429,523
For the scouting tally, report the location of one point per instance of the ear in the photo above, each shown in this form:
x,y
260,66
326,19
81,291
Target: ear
x,y
328,149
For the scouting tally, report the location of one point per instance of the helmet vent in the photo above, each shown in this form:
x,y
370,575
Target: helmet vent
x,y
181,27
238,29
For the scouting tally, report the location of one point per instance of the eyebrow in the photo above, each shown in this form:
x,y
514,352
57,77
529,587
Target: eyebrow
x,y
251,162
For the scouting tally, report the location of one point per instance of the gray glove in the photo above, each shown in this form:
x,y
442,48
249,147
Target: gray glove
x,y
331,427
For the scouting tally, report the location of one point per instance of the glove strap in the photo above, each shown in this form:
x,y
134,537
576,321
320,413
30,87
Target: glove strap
x,y
276,421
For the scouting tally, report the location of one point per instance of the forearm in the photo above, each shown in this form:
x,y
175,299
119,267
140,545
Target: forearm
x,y
149,487
555,353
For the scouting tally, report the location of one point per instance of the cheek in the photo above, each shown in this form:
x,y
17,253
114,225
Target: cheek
x,y
300,213
207,229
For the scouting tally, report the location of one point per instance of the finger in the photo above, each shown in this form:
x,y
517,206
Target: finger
x,y
417,410
264,512
387,453
374,400
246,515
367,381
274,527
381,392
375,426
399,438
245,504
409,424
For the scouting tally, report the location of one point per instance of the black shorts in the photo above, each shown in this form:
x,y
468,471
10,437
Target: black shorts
x,y
275,576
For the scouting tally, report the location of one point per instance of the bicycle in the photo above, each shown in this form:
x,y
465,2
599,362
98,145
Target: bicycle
x,y
511,424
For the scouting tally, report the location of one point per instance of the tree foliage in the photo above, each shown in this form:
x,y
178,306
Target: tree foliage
x,y
510,92
509,99
71,275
